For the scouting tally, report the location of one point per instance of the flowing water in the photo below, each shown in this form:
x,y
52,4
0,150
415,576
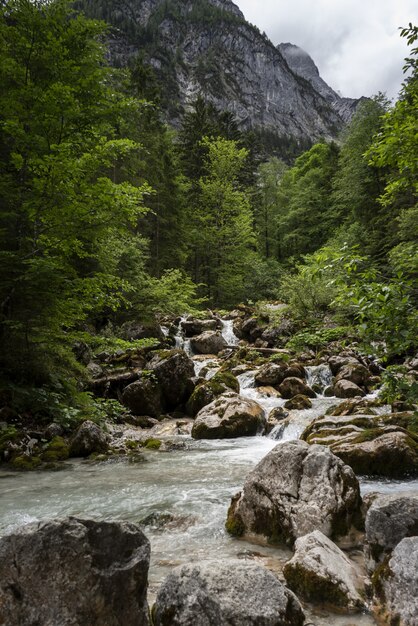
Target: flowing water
x,y
193,485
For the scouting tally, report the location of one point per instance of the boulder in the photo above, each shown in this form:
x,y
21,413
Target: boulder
x,y
346,389
271,374
356,406
143,397
275,417
395,585
193,327
132,331
229,416
74,572
174,372
293,386
298,403
355,373
389,519
208,391
320,572
209,342
380,445
337,362
293,491
393,454
225,593
88,439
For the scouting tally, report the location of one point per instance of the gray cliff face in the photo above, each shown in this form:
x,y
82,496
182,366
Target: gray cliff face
x,y
303,65
206,47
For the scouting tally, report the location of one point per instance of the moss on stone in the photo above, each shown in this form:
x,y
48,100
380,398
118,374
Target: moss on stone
x,y
152,444
312,587
234,524
26,463
57,450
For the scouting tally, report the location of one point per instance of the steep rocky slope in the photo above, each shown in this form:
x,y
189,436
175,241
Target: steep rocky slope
x,y
206,47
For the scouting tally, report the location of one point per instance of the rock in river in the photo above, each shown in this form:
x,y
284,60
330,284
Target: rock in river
x,y
293,491
395,585
229,416
225,593
321,573
74,572
209,342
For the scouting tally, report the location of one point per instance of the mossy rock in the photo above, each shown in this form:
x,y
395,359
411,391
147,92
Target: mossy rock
x,y
312,587
57,450
26,463
209,390
152,444
234,525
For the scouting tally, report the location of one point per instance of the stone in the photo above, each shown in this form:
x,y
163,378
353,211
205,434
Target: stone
x,y
346,389
94,370
293,386
271,374
132,331
74,572
225,593
174,371
337,362
293,491
395,585
320,572
298,403
209,342
193,327
88,439
393,454
389,519
355,373
209,390
144,397
275,417
229,416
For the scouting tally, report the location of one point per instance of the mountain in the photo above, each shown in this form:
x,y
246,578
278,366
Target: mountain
x,y
207,47
303,65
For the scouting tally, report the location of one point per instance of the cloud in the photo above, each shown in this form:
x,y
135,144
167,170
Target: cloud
x,y
355,43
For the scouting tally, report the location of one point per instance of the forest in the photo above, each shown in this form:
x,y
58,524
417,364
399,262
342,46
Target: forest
x,y
108,215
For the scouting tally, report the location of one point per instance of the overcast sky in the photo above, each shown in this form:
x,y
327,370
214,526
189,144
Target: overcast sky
x,y
355,43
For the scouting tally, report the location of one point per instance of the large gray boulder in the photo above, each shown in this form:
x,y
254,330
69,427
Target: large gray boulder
x,y
390,518
74,572
229,416
143,397
293,491
395,585
174,372
88,439
226,593
193,327
209,342
355,373
321,573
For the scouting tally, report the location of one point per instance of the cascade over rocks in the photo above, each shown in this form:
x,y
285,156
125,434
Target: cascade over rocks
x,y
76,572
193,327
321,573
225,593
229,416
88,439
390,518
395,585
209,342
293,491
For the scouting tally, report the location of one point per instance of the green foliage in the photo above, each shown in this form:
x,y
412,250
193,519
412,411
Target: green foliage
x,y
315,340
399,385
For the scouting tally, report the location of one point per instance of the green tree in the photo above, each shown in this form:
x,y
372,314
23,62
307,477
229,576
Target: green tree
x,y
222,237
70,202
269,177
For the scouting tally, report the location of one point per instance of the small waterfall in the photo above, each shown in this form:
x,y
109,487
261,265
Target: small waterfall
x,y
181,342
319,377
228,332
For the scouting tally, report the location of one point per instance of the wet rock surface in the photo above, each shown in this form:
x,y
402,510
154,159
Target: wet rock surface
x,y
321,573
74,572
88,439
293,491
390,518
225,593
229,416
